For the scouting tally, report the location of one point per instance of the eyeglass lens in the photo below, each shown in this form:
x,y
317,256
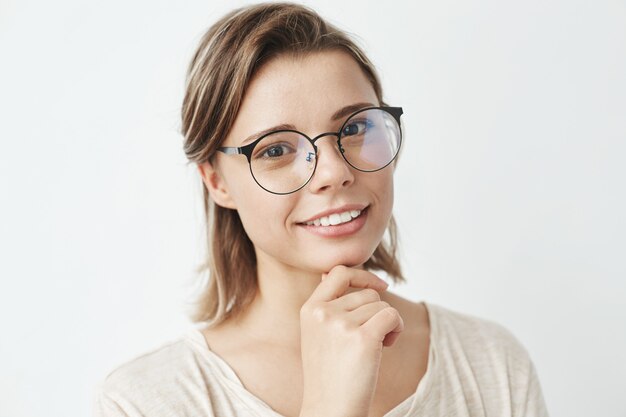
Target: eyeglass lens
x,y
283,162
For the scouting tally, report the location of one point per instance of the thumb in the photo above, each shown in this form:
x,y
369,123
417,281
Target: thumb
x,y
324,275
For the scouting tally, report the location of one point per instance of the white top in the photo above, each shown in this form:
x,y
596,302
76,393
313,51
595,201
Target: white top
x,y
476,367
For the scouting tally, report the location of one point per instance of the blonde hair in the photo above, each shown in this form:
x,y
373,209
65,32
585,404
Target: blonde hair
x,y
226,59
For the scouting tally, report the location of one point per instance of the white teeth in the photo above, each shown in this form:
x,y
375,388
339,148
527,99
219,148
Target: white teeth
x,y
335,218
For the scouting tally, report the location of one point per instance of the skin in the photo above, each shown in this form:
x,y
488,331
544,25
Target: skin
x,y
296,267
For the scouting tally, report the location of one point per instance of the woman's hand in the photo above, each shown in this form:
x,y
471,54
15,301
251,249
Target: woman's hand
x,y
342,339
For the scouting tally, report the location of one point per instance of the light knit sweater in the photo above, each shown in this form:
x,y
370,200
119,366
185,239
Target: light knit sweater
x,y
476,368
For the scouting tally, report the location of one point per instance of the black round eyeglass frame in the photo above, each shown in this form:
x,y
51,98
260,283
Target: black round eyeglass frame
x,y
248,149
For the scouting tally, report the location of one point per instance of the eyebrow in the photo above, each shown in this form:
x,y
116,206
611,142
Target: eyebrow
x,y
339,114
348,110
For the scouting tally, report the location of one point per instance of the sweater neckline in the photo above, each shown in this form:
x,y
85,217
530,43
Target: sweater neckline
x,y
412,403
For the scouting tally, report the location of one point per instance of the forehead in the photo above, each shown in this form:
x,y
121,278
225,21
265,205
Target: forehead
x,y
304,91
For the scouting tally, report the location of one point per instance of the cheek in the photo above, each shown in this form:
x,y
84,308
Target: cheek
x,y
386,203
263,215
381,183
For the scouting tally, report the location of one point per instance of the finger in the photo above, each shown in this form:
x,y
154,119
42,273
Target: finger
x,y
356,299
365,312
340,278
385,321
391,338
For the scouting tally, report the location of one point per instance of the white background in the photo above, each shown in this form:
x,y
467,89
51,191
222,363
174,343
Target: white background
x,y
509,194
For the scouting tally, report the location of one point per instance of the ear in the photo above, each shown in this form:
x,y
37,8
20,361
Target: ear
x,y
216,186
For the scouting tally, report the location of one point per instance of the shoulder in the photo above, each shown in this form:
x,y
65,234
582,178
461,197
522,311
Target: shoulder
x,y
134,385
155,365
482,353
482,350
472,331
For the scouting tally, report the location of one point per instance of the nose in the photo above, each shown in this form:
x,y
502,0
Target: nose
x,y
332,171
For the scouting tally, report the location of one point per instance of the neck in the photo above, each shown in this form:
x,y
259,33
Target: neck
x,y
282,290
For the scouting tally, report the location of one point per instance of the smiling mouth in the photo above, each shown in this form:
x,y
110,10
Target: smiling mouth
x,y
335,218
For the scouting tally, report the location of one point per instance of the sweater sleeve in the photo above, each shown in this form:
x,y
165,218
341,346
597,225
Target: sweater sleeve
x,y
104,406
535,405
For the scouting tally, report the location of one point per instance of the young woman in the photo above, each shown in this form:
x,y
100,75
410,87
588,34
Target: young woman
x,y
285,119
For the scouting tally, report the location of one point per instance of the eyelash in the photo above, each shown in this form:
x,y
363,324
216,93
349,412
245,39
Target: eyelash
x,y
263,152
368,124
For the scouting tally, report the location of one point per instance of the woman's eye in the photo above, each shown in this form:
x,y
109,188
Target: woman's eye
x,y
355,128
275,151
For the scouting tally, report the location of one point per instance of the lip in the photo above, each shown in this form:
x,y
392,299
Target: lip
x,y
346,207
339,230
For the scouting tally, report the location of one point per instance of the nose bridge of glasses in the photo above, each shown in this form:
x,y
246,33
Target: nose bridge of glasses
x,y
322,135
333,147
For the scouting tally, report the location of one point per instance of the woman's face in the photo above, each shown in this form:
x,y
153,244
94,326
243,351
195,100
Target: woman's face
x,y
306,93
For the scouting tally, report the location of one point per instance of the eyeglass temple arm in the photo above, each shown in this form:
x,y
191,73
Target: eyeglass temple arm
x,y
229,150
395,111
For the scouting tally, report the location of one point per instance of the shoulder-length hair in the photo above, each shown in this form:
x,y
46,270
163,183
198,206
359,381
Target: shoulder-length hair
x,y
226,59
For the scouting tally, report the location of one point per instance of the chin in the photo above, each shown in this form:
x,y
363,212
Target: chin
x,y
355,259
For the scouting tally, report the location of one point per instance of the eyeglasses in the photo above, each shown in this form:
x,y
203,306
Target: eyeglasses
x,y
284,161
